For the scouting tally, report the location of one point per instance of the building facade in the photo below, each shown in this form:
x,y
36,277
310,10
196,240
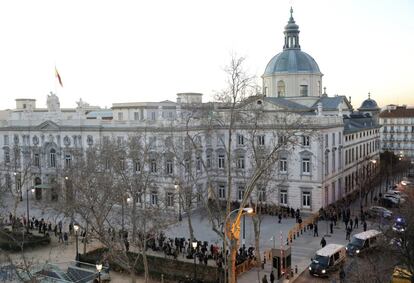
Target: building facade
x,y
397,132
323,145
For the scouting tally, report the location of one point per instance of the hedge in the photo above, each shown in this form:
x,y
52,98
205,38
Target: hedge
x,y
15,241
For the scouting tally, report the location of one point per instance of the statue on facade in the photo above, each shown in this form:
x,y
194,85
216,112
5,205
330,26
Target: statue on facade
x,y
53,104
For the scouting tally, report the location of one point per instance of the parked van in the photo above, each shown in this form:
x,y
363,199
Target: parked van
x,y
327,259
363,241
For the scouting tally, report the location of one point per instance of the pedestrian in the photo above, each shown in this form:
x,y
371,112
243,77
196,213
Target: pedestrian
x,y
365,226
351,223
342,274
346,220
280,217
331,226
323,242
272,277
126,245
348,233
315,230
356,222
264,280
65,238
60,238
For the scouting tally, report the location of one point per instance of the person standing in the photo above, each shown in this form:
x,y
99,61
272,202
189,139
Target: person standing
x,y
365,226
323,242
272,277
315,230
331,227
356,222
264,279
280,217
348,233
351,223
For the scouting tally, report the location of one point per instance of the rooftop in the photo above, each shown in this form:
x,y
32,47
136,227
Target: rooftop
x,y
398,112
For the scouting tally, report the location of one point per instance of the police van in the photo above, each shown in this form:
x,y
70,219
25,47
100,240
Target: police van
x,y
363,241
327,259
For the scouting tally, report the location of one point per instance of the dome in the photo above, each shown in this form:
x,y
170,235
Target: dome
x,y
292,61
369,104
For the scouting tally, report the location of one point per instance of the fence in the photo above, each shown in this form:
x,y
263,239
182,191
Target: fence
x,y
245,266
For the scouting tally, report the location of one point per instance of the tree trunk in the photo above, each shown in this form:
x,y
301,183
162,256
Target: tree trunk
x,y
84,240
134,220
232,261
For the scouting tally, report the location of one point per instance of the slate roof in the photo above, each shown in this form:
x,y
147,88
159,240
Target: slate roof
x,y
400,112
357,121
287,103
292,61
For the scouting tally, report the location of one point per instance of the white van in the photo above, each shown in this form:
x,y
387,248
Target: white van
x,y
327,259
363,241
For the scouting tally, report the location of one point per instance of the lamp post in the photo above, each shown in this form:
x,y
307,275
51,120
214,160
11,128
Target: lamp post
x,y
194,244
177,188
245,210
99,268
76,228
27,206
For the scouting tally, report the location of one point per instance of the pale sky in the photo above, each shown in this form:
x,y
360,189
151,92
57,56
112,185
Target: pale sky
x,y
127,51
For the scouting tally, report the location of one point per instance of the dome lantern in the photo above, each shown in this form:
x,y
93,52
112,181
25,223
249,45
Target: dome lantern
x,y
291,33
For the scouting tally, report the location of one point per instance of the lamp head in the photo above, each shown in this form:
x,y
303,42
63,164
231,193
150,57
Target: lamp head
x,y
129,199
176,186
194,244
99,267
76,227
14,173
33,190
66,178
374,161
248,210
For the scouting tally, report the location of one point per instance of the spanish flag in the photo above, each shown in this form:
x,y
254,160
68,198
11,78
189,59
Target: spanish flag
x,y
58,77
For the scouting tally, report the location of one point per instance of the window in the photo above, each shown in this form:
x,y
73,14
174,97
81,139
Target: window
x,y
261,194
240,193
221,192
240,139
153,166
208,160
281,88
52,158
282,139
283,197
198,164
68,160
333,161
137,166
261,140
120,141
169,167
6,155
6,140
120,116
170,199
326,140
153,115
240,162
221,161
306,165
36,160
283,165
305,140
340,159
154,198
306,199
303,90
333,139
326,163
136,116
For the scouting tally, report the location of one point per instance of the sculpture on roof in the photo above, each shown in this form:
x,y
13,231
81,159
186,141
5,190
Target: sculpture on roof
x,y
81,103
52,101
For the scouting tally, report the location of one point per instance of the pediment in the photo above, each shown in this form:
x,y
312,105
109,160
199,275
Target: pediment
x,y
48,126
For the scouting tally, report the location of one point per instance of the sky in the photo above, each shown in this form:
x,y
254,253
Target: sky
x,y
128,51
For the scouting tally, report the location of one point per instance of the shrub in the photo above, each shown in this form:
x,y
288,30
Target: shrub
x,y
15,241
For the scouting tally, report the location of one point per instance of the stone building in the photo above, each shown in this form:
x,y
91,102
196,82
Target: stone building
x,y
329,144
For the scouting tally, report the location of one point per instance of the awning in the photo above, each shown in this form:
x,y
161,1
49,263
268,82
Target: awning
x,y
43,186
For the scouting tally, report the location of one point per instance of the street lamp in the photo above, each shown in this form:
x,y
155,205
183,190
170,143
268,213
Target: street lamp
x,y
76,228
27,203
245,210
99,268
177,188
194,244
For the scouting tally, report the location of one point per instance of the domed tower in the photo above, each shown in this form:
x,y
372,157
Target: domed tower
x,y
370,106
292,73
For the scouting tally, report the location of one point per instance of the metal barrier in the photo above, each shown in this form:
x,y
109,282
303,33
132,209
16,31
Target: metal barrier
x,y
298,228
245,266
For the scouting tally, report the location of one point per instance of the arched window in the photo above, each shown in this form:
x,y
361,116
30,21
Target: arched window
x,y
52,158
280,88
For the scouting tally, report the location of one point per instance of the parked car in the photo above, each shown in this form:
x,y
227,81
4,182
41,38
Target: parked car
x,y
379,211
388,203
399,225
327,259
396,198
363,241
397,193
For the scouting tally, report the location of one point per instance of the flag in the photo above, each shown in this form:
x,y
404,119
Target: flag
x,y
58,77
